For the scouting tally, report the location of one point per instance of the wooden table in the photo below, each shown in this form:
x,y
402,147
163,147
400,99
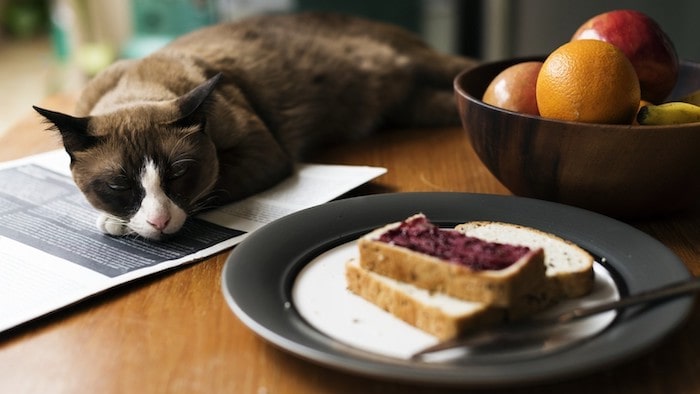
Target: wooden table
x,y
174,333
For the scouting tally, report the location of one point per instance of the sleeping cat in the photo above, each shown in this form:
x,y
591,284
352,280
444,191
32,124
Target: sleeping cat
x,y
225,111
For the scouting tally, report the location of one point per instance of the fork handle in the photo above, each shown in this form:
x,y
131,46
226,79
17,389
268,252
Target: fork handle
x,y
661,293
526,327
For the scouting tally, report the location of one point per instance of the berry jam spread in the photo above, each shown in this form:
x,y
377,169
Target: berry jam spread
x,y
420,235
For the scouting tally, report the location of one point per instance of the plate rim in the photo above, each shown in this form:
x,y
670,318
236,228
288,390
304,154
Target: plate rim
x,y
298,337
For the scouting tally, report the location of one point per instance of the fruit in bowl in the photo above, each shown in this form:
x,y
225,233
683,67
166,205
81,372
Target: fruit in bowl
x,y
620,170
514,88
599,143
588,81
615,63
645,44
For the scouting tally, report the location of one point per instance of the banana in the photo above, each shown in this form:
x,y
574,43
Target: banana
x,y
675,112
692,98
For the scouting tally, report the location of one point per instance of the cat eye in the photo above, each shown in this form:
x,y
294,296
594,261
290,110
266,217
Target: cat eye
x,y
178,169
119,184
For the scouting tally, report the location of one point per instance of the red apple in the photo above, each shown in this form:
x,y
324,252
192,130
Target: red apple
x,y
644,42
514,88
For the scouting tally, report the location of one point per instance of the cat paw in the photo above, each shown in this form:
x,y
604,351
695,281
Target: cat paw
x,y
112,225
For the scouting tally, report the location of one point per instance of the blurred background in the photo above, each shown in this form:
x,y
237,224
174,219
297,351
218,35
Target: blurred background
x,y
54,46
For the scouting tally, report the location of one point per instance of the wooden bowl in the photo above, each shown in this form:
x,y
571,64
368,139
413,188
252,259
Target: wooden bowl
x,y
618,170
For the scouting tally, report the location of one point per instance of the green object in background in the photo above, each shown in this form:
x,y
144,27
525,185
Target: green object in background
x,y
59,34
92,58
173,17
156,22
405,13
142,45
24,18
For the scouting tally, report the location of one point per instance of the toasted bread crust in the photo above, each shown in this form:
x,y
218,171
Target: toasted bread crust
x,y
493,287
429,318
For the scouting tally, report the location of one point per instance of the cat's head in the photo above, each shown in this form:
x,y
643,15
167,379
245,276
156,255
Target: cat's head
x,y
146,166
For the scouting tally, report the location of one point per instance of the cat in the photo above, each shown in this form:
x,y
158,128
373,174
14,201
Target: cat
x,y
225,111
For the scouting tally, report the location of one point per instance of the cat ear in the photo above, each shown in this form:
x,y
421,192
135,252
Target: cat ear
x,y
74,131
192,103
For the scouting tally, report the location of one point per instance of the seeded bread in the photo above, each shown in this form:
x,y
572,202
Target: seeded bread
x,y
501,288
568,273
435,313
569,268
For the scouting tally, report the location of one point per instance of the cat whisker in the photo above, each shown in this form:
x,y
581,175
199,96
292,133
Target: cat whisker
x,y
206,199
204,204
133,235
129,231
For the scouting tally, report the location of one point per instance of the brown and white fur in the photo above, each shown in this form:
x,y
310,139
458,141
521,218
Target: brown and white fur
x,y
225,111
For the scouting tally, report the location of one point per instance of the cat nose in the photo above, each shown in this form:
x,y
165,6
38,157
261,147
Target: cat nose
x,y
159,222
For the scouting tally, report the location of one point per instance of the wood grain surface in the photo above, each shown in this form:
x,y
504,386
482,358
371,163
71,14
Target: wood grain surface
x,y
174,333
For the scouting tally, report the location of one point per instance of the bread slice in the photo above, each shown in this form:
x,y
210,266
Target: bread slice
x,y
502,288
566,271
435,313
569,268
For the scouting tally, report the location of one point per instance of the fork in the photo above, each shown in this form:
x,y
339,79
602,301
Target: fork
x,y
532,328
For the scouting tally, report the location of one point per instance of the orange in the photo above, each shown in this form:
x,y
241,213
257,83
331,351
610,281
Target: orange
x,y
588,81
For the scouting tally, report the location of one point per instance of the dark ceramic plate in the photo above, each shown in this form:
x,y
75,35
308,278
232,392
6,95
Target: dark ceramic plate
x,y
259,275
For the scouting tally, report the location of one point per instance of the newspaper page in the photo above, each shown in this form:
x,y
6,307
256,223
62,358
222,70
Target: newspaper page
x,y
53,255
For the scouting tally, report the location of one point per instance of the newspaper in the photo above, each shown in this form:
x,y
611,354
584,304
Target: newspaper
x,y
52,255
